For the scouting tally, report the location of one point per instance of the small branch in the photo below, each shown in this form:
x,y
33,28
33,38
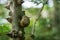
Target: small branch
x,y
34,24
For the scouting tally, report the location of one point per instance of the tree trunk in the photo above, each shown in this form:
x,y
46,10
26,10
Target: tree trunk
x,y
17,31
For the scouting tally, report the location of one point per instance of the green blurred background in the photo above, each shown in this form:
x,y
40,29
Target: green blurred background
x,y
47,27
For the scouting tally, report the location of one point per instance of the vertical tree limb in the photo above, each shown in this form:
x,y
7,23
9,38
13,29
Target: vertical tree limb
x,y
17,32
38,16
16,24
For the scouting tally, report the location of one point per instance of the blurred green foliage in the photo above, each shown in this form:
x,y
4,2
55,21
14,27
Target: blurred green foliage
x,y
4,37
32,11
43,30
3,12
5,28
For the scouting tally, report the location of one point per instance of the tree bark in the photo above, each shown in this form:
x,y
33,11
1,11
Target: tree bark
x,y
17,14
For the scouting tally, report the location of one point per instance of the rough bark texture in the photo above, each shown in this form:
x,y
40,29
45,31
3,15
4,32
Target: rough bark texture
x,y
16,17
